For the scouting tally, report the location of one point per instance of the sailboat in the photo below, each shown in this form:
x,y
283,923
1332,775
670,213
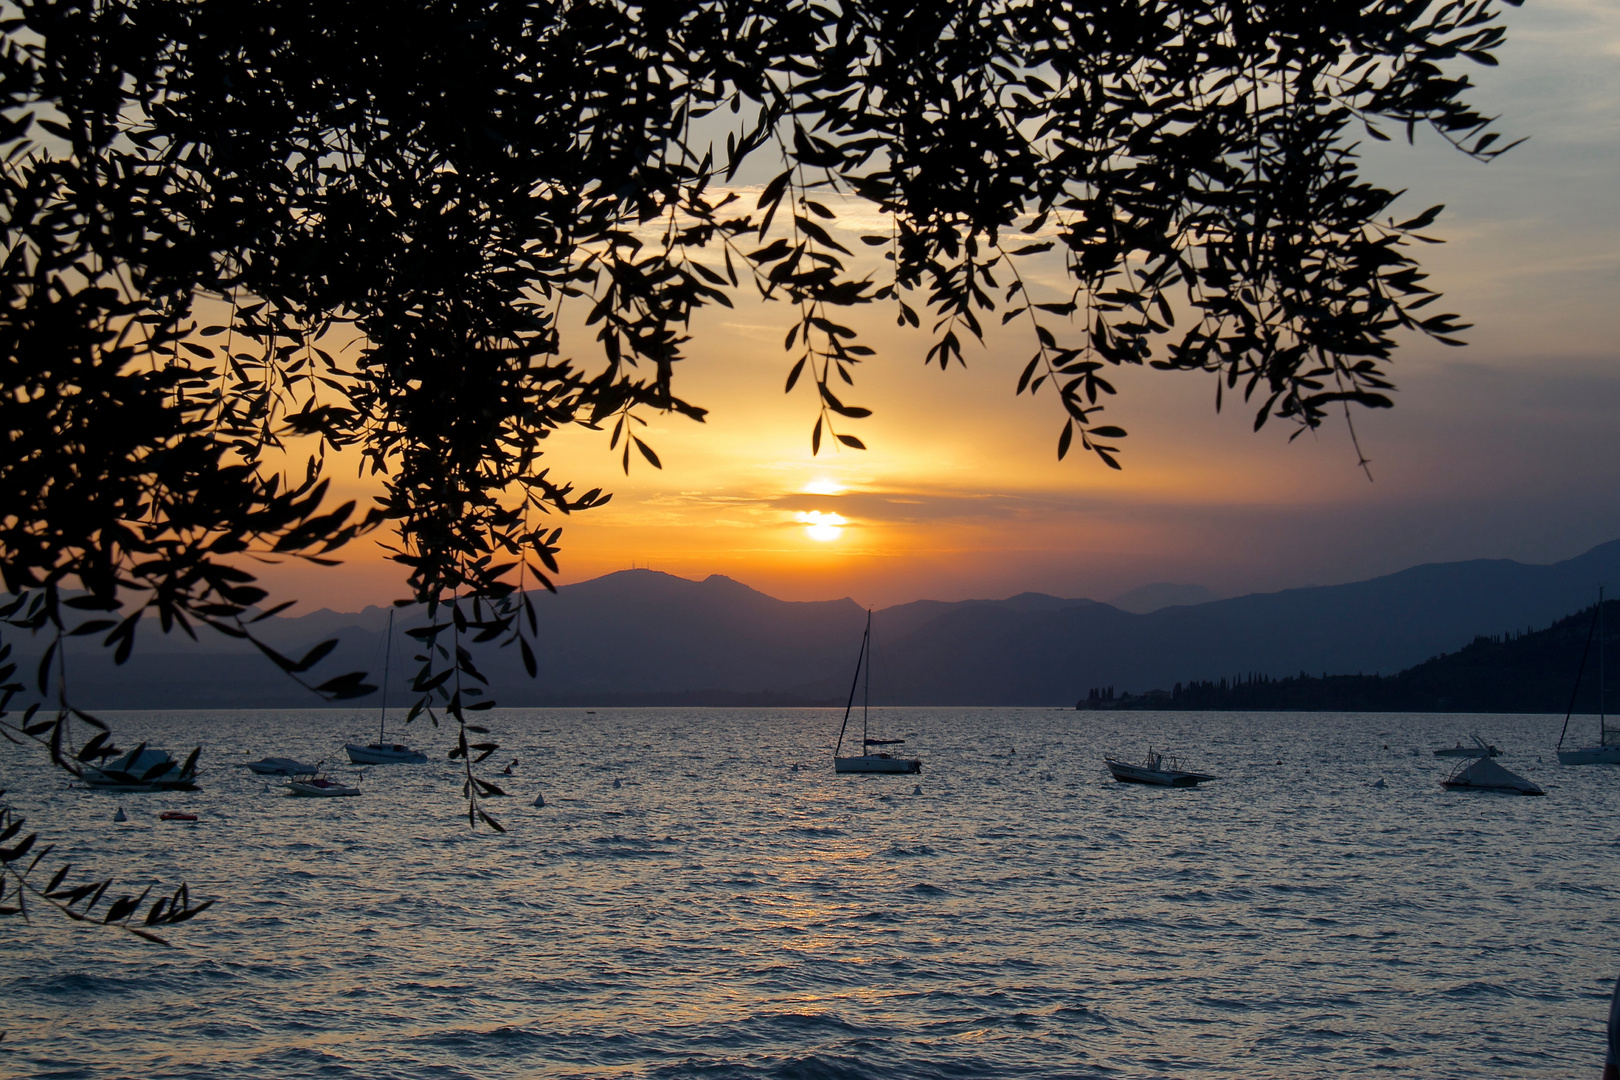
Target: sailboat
x,y
383,752
867,761
1607,751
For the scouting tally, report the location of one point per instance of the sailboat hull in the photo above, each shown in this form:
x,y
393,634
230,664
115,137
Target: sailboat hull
x,y
384,754
876,763
1593,755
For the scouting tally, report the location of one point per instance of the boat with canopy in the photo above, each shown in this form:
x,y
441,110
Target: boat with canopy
x,y
1486,775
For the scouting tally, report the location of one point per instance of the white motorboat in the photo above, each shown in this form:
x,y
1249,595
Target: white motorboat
x,y
144,769
383,752
1155,769
868,760
1483,774
1480,749
1607,750
277,766
312,785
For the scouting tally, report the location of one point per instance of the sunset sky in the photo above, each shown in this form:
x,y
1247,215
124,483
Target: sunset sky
x,y
1506,449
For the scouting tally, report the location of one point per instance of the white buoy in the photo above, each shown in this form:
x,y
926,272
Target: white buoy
x,y
540,800
1380,782
120,816
917,790
617,785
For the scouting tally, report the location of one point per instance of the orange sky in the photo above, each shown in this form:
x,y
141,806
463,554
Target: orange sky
x,y
1504,449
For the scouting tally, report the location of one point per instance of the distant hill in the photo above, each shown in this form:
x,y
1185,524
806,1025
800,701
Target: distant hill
x,y
640,637
989,657
1534,672
1161,595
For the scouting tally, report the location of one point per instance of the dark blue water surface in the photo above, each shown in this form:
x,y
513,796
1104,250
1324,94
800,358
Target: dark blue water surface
x,y
733,909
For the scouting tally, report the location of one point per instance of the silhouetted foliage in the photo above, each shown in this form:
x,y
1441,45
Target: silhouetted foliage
x,y
242,233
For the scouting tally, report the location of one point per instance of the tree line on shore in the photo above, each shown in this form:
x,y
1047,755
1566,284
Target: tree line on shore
x,y
1530,671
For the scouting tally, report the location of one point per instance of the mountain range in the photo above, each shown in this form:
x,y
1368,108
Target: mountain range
x,y
640,637
1556,670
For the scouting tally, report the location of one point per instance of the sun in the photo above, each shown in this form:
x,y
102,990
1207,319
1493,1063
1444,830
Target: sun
x,y
823,527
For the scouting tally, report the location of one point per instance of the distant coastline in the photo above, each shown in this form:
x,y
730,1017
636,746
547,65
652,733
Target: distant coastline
x,y
640,638
1527,672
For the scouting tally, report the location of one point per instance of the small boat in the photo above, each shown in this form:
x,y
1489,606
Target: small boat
x,y
144,769
312,785
868,761
176,815
383,752
1607,750
1483,774
1480,749
1155,769
277,766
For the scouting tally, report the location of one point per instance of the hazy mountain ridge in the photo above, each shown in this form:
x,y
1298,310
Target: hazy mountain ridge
x,y
1544,671
645,637
1162,594
1381,625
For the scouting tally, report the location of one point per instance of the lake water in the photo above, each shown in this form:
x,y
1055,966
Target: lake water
x,y
719,913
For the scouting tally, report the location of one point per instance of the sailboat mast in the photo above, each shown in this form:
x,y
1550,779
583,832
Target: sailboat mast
x,y
866,693
853,683
388,648
1603,719
1575,691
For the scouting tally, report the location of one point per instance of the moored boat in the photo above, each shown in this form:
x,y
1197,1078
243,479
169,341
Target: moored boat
x,y
1483,774
277,766
312,785
379,753
383,752
876,763
1480,749
1607,750
1154,769
144,769
868,761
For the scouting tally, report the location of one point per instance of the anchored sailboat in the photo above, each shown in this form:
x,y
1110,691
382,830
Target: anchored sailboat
x,y
383,752
867,761
1607,751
